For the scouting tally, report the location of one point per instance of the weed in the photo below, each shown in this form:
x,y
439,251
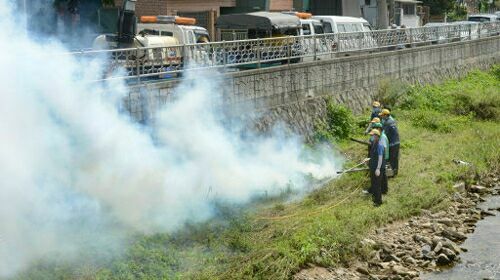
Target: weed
x,y
337,124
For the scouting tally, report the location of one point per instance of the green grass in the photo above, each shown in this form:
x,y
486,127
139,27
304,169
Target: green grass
x,y
274,239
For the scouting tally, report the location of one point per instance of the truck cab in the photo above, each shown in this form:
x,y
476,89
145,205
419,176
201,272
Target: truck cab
x,y
183,29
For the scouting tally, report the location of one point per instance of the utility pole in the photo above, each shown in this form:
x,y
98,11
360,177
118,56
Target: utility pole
x,y
392,18
382,17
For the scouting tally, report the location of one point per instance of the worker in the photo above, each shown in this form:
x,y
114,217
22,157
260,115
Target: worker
x,y
376,109
377,167
370,125
391,131
385,142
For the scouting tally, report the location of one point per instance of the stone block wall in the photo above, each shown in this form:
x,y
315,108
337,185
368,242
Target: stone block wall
x,y
294,94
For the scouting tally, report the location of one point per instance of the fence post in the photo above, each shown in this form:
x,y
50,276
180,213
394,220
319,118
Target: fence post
x,y
258,52
314,47
410,31
137,65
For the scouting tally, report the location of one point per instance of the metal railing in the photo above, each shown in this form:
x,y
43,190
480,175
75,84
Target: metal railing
x,y
142,63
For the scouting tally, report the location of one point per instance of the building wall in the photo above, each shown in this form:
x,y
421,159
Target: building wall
x,y
280,5
351,8
169,7
295,94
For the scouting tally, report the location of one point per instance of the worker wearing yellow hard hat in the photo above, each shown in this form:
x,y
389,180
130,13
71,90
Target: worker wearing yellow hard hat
x,y
391,131
370,125
376,108
377,168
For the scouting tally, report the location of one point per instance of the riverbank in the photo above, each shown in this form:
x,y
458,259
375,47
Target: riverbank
x,y
430,242
332,226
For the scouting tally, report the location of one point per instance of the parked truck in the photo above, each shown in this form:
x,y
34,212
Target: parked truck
x,y
152,44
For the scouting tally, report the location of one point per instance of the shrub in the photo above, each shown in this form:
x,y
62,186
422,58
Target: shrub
x,y
437,121
392,92
495,70
336,125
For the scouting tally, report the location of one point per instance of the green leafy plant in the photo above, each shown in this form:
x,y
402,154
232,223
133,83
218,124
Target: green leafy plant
x,y
336,125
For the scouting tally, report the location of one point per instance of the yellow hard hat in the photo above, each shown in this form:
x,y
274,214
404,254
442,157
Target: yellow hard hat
x,y
385,112
376,104
375,132
375,120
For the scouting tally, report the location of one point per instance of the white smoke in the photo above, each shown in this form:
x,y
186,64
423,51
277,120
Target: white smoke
x,y
75,171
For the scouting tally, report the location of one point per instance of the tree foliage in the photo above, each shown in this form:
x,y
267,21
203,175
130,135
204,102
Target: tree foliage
x,y
439,7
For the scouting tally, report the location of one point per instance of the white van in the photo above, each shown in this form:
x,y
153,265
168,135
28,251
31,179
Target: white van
x,y
339,24
311,27
351,25
483,18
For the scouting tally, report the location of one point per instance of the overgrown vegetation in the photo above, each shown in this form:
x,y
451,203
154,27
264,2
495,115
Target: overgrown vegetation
x,y
337,125
275,239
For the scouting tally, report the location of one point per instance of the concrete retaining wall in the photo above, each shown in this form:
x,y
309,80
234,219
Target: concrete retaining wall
x,y
294,94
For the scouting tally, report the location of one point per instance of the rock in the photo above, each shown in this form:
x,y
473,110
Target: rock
x,y
486,213
426,212
453,235
464,249
452,246
442,259
394,258
438,247
400,270
457,197
426,249
362,270
474,196
478,189
459,187
446,221
449,253
385,265
410,260
400,254
368,242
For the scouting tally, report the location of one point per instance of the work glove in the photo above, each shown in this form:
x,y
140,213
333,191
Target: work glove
x,y
377,172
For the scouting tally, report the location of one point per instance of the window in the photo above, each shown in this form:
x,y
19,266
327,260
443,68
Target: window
x,y
190,37
327,27
341,27
408,9
479,19
318,29
306,29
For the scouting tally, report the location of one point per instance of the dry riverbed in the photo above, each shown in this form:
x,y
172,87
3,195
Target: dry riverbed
x,y
427,243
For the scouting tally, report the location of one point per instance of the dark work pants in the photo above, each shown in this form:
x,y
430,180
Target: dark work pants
x,y
376,187
394,158
384,184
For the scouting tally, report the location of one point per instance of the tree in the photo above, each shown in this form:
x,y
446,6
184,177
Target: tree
x,y
108,2
439,7
382,15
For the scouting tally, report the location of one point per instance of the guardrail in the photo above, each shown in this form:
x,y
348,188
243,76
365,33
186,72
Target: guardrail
x,y
141,63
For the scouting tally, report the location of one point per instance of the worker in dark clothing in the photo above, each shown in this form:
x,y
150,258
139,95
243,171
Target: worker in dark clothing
x,y
377,168
391,131
375,110
385,142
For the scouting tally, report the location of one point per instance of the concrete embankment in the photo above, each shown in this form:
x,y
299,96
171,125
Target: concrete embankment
x,y
294,94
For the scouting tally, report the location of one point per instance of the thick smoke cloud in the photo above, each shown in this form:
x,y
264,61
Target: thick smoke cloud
x,y
75,171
